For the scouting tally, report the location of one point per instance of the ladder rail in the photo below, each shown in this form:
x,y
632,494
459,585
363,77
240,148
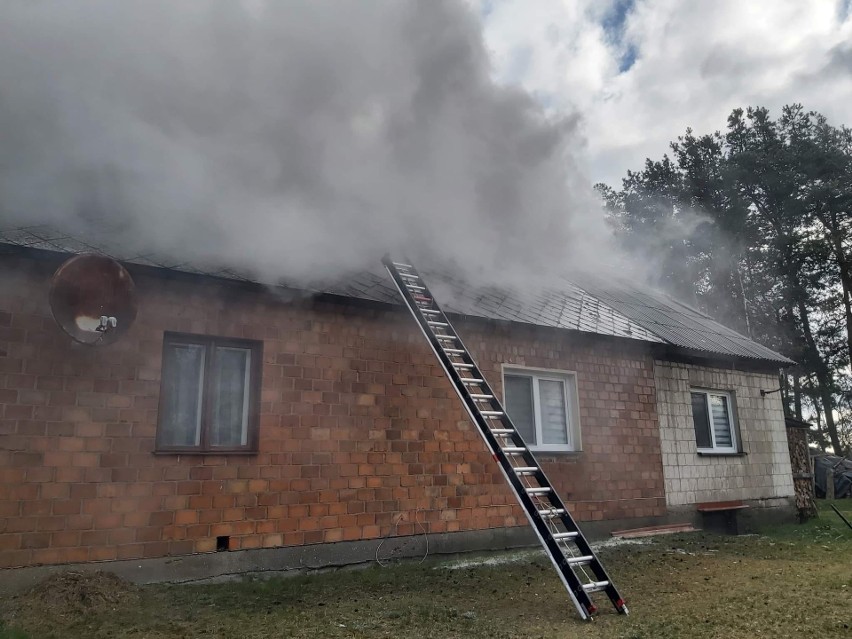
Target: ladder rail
x,y
531,503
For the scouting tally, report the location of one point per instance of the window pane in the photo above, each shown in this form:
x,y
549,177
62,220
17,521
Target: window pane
x,y
519,405
554,419
183,383
721,421
230,397
699,421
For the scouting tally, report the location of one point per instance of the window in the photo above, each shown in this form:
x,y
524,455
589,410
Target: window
x,y
713,419
209,394
543,407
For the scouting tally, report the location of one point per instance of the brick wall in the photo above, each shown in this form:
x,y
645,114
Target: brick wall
x,y
762,473
359,428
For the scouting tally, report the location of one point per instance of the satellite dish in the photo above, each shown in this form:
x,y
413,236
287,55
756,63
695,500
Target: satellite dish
x,y
93,299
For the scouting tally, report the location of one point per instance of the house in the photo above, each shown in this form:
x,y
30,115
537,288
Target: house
x,y
318,429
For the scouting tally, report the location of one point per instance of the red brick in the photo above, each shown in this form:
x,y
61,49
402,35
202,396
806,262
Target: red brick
x,y
336,400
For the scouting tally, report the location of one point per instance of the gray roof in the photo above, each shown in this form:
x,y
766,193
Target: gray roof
x,y
590,305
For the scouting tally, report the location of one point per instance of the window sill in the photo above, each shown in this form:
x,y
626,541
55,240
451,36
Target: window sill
x,y
547,452
713,453
202,453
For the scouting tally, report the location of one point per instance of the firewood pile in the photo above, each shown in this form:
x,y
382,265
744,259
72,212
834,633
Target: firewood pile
x,y
800,460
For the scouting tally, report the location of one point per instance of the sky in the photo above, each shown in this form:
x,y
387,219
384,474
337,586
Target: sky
x,y
639,72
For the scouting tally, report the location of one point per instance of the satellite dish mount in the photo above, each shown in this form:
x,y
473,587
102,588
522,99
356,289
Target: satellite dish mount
x,y
93,299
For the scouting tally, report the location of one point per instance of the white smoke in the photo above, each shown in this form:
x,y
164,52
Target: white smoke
x,y
293,139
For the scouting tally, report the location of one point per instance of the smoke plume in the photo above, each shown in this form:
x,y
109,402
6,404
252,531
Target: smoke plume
x,y
291,139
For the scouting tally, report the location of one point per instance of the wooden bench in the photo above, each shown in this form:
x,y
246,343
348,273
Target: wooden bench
x,y
721,516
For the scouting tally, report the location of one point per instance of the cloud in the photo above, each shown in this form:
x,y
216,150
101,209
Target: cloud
x,y
640,73
295,139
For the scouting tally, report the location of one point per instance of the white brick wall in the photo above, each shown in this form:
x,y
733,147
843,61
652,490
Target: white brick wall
x,y
764,472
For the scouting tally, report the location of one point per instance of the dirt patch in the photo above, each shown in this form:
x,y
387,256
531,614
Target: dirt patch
x,y
70,594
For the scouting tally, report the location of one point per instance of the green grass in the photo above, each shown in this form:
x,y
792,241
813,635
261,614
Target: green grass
x,y
793,581
7,632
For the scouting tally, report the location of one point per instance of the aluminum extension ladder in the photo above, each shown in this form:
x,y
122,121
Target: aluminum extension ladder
x,y
576,563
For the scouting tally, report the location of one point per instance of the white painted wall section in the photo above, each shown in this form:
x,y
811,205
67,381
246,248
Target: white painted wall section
x,y
763,472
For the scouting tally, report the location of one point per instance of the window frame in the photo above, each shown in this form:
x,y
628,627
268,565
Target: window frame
x,y
732,422
572,408
210,342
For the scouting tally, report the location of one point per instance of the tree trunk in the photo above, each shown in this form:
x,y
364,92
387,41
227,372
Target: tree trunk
x,y
739,273
823,376
846,283
797,397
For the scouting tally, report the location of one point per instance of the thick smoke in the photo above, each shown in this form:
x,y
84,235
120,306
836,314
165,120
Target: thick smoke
x,y
293,139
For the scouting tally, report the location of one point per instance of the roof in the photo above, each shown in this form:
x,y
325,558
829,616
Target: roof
x,y
589,305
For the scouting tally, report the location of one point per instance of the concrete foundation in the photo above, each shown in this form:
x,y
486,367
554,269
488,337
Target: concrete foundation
x,y
293,560
760,514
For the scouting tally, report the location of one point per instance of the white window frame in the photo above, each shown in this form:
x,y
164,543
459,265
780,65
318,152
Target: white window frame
x,y
572,409
734,447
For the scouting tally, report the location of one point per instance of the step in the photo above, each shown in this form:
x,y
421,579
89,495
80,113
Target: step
x,y
595,586
565,535
538,491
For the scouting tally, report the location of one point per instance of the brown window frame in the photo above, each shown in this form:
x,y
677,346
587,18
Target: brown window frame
x,y
255,370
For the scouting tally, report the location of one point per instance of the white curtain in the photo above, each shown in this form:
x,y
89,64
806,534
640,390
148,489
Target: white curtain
x,y
554,420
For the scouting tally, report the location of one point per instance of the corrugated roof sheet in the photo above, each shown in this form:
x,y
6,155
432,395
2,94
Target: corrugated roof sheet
x,y
589,305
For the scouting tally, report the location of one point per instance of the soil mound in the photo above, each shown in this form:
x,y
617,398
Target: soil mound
x,y
72,593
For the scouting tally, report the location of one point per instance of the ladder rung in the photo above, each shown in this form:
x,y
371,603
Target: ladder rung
x,y
471,380
595,586
579,561
478,396
410,276
538,491
414,287
463,366
491,413
429,311
401,265
526,469
454,351
513,449
551,512
453,337
565,535
430,323
502,431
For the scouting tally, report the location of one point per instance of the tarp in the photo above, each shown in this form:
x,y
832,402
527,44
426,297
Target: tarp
x,y
842,475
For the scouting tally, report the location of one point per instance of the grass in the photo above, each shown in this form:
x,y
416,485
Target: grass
x,y
793,581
